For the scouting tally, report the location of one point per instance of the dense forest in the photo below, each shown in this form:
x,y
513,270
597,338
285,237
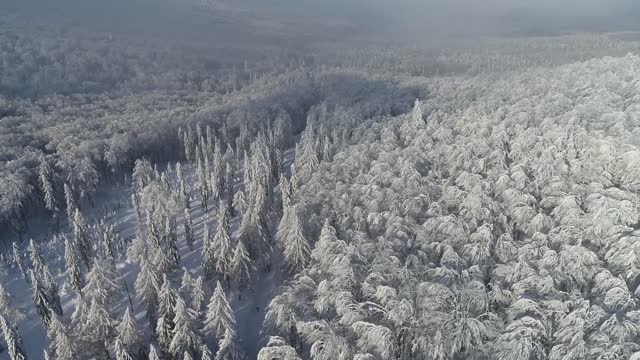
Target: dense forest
x,y
170,200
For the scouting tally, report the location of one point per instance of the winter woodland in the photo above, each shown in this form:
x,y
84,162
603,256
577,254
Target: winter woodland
x,y
370,203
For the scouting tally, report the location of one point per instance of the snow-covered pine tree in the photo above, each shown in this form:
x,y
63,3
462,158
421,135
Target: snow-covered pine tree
x,y
164,333
41,300
37,262
171,250
188,228
51,287
120,350
60,344
222,243
76,278
183,193
142,174
166,306
79,315
202,183
219,317
14,343
9,308
197,295
228,348
18,259
242,267
186,284
185,335
102,284
295,247
45,176
83,241
208,252
217,174
128,334
416,114
70,203
285,192
229,182
153,354
98,328
146,286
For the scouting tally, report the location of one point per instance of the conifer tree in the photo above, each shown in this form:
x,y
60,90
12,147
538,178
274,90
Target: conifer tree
x,y
185,337
41,300
102,284
221,243
295,247
19,260
188,228
228,348
208,252
166,302
146,286
219,317
197,295
51,287
60,343
242,266
14,343
83,241
9,308
128,333
37,262
153,354
171,245
120,351
416,114
186,284
46,185
76,278
70,202
164,333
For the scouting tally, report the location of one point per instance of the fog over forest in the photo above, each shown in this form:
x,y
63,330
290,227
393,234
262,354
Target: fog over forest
x,y
319,180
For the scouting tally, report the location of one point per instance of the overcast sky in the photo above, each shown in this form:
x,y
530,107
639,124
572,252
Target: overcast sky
x,y
398,19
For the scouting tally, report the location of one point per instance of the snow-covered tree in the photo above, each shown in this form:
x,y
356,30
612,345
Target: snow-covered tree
x,y
14,343
197,295
18,259
120,351
153,354
242,267
60,343
146,286
102,284
222,243
76,278
188,228
228,347
277,349
45,177
127,333
295,247
9,308
185,336
219,317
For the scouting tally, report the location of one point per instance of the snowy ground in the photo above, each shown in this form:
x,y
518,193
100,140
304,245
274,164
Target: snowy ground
x,y
113,203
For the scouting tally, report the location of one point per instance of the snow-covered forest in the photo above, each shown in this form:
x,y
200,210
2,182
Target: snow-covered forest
x,y
294,196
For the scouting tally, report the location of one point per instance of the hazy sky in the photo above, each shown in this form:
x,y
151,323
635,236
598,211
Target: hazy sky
x,y
411,20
